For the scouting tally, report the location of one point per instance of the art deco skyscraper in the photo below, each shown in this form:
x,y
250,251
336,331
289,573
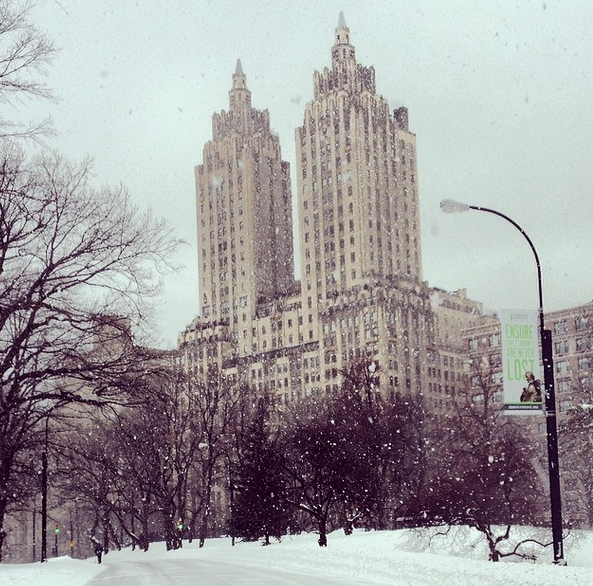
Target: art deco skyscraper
x,y
362,289
357,186
361,297
245,247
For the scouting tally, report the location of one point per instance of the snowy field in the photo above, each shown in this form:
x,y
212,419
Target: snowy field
x,y
397,558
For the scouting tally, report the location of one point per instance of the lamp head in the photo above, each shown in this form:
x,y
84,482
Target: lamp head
x,y
451,206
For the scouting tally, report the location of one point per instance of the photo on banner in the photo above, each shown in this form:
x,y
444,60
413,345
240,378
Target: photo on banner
x,y
521,365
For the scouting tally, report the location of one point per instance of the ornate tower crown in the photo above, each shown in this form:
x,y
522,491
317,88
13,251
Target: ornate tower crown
x,y
342,32
239,95
342,50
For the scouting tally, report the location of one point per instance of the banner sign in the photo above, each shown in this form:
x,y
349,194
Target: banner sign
x,y
521,370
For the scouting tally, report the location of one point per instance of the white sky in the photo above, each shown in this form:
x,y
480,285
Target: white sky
x,y
499,93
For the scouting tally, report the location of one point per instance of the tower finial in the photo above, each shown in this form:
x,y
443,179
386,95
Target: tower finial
x,y
342,31
239,78
239,96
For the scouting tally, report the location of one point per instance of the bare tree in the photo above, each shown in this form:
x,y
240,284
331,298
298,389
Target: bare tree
x,y
484,470
162,443
216,402
358,414
88,467
576,431
72,261
25,54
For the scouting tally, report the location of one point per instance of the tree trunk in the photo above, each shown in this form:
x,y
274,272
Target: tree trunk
x,y
322,533
2,536
203,531
172,534
4,484
494,553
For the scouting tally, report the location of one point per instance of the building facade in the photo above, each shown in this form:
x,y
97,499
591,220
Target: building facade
x,y
448,366
361,293
572,335
244,212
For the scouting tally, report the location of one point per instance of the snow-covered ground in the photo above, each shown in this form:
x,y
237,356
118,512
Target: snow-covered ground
x,y
396,558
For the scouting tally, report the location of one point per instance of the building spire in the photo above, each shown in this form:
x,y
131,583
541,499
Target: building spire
x,y
342,51
239,96
239,78
342,31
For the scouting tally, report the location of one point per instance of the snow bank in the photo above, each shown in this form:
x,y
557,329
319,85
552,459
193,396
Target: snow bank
x,y
61,571
396,558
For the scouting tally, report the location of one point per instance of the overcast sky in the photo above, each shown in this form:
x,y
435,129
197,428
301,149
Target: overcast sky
x,y
500,95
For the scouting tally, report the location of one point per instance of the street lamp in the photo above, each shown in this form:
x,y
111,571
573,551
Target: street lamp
x,y
44,493
452,206
44,505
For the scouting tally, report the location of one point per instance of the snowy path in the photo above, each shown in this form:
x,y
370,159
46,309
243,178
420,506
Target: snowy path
x,y
383,558
209,573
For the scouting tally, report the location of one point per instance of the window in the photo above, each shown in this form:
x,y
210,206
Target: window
x,y
561,347
581,323
562,367
560,327
564,385
565,405
583,344
496,378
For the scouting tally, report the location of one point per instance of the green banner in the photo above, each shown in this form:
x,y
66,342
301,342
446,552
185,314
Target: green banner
x,y
521,366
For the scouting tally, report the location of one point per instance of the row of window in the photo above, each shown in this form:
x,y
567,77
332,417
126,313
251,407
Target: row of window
x,y
581,345
434,389
581,323
491,341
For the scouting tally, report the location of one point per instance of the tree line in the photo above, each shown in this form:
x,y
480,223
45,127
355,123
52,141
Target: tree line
x,y
198,458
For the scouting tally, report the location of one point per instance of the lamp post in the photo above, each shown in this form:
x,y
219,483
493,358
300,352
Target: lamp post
x,y
44,506
44,474
452,206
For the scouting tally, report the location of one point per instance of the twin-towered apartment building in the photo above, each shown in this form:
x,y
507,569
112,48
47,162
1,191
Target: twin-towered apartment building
x,y
361,291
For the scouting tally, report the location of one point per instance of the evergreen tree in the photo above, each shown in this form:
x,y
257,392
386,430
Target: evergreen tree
x,y
384,441
259,483
357,412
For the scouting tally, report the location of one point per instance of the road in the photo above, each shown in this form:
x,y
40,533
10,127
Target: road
x,y
210,573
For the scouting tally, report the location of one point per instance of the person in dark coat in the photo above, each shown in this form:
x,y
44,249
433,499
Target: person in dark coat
x,y
98,548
